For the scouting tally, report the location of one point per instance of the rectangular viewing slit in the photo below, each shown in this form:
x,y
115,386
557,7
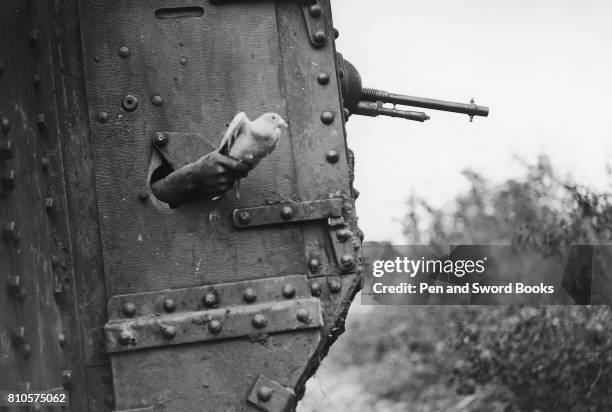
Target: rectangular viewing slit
x,y
179,12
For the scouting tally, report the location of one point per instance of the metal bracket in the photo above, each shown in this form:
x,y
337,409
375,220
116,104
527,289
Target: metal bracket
x,y
342,241
270,396
315,23
287,213
179,149
208,313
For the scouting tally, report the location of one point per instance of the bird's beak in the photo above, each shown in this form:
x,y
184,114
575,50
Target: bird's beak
x,y
283,123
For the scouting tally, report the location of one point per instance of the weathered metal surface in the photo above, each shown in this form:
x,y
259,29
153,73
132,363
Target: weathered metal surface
x,y
186,67
201,69
36,255
286,213
269,396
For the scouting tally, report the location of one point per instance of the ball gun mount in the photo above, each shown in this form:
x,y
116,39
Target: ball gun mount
x,y
371,102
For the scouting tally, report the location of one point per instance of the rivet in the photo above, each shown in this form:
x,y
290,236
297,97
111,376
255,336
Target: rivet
x,y
210,300
259,321
6,125
315,289
169,331
11,234
303,315
161,139
41,121
249,295
347,261
157,100
33,38
61,340
314,264
49,204
26,351
44,163
36,79
102,117
67,379
13,285
129,103
96,59
126,337
286,213
319,38
7,150
327,117
335,286
264,393
343,235
323,78
8,180
36,407
18,336
332,156
288,291
315,10
143,194
170,305
110,401
336,33
22,294
58,289
215,326
244,217
55,261
129,309
183,61
123,51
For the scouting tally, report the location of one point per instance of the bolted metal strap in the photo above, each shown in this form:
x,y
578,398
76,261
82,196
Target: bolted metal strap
x,y
208,313
287,213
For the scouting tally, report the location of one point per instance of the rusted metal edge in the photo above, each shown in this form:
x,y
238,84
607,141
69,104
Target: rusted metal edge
x,y
213,325
207,297
287,213
270,396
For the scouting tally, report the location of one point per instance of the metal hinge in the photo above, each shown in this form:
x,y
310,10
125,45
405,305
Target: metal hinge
x,y
270,396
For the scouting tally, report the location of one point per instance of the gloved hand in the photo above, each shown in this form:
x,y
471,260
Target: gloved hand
x,y
209,176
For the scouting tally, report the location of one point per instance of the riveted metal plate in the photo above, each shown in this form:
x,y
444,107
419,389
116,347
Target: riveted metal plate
x,y
269,396
235,321
190,299
286,213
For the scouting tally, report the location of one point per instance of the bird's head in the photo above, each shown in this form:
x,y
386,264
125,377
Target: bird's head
x,y
274,120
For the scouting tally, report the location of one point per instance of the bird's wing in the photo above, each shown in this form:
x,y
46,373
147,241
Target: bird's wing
x,y
232,132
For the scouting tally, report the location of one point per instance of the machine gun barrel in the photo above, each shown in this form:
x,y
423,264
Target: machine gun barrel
x,y
374,109
470,109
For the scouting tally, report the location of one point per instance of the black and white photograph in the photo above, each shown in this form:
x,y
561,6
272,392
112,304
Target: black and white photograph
x,y
305,206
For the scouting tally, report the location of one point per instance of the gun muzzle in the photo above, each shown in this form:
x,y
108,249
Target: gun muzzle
x,y
470,109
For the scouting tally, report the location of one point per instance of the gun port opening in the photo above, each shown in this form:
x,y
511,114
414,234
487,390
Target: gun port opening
x,y
179,12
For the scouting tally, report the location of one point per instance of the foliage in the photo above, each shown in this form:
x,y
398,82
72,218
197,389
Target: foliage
x,y
522,358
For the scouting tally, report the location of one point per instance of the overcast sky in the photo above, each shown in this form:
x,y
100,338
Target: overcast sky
x,y
543,67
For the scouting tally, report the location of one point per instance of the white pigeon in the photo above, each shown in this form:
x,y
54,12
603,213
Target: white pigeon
x,y
250,141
